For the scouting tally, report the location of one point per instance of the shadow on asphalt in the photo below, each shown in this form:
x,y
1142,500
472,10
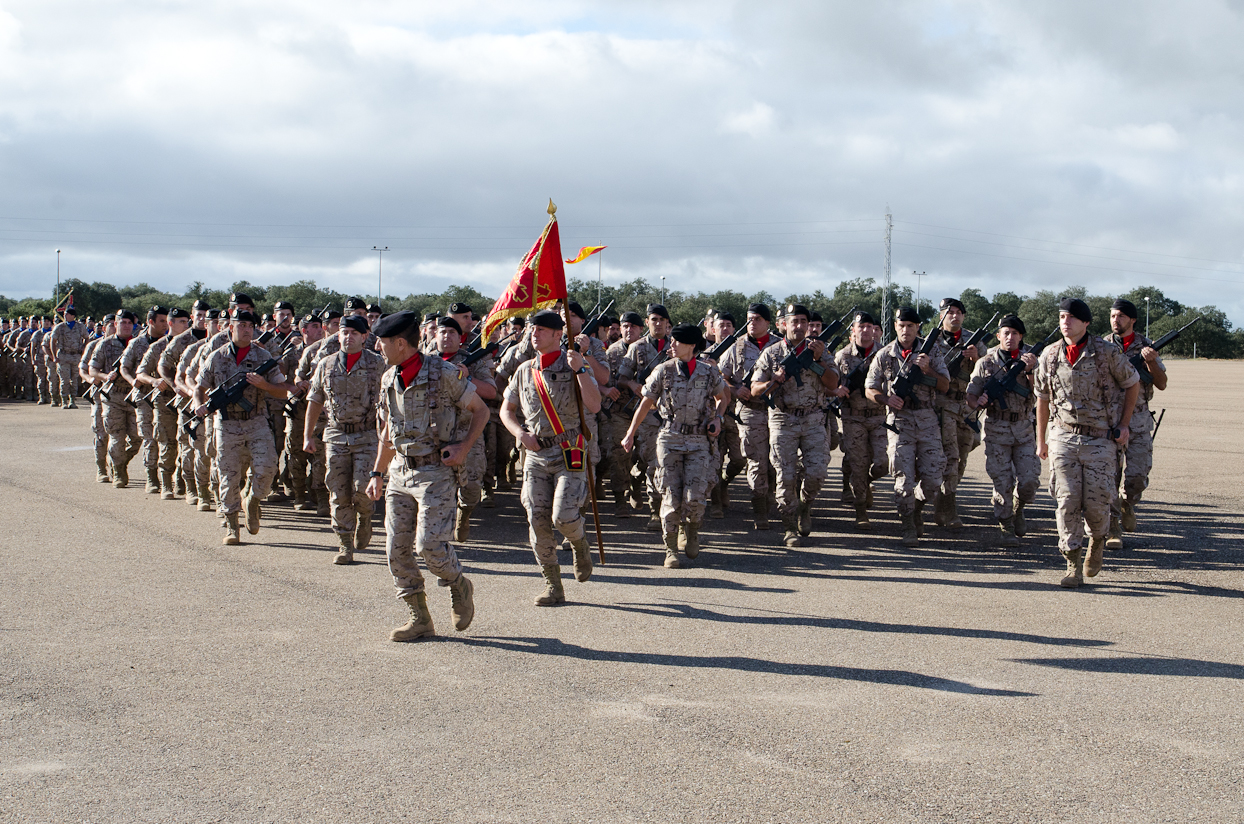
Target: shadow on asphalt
x,y
1142,665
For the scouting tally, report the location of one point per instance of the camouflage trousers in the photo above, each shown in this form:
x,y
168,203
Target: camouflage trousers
x,y
296,460
958,441
645,453
498,444
1012,464
346,479
192,455
799,452
1135,463
754,436
100,434
832,434
121,425
916,458
553,496
730,449
1082,481
146,430
67,378
419,517
243,446
42,382
165,427
612,430
685,473
865,450
471,475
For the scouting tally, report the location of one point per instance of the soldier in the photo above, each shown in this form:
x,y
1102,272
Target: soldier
x,y
19,345
311,328
374,313
865,453
616,407
201,441
119,418
39,360
157,325
348,385
1086,391
285,337
1137,459
542,392
68,342
1010,441
471,473
691,397
161,394
465,318
421,399
166,370
915,450
959,435
6,360
243,439
797,434
737,366
306,367
730,444
641,358
97,403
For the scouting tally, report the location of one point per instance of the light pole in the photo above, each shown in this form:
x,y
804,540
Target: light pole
x,y
54,305
918,276
380,272
1146,316
662,290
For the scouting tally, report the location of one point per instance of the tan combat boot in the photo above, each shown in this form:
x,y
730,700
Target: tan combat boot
x,y
1114,538
420,624
1021,526
205,504
153,482
760,513
671,551
345,555
462,598
621,506
1075,570
951,509
715,509
233,531
790,523
1092,565
1007,527
462,524
1128,521
582,560
321,503
654,522
362,531
805,518
917,518
300,500
861,516
553,592
101,471
121,476
911,537
252,514
692,531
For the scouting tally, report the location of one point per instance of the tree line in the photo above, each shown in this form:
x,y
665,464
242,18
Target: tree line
x,y
1214,337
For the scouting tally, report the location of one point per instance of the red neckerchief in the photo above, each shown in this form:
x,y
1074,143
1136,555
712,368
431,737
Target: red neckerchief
x,y
1128,341
905,353
448,355
762,342
410,368
802,345
861,352
547,359
242,353
1074,350
1015,354
352,359
691,367
957,335
660,342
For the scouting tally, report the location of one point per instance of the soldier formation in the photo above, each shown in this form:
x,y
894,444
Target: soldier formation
x,y
336,410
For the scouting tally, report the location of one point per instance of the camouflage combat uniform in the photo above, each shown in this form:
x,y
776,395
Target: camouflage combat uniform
x,y
640,355
1010,438
307,470
615,418
164,424
863,424
471,473
959,434
195,459
145,412
68,346
1136,459
119,418
736,366
98,433
39,362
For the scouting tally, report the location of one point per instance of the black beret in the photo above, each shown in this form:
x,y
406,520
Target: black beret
x,y
126,314
358,324
548,319
725,316
1013,322
475,316
686,333
1126,307
864,317
110,318
907,315
761,310
156,310
245,316
201,304
177,312
955,302
816,316
459,309
266,318
608,320
517,321
241,297
282,305
798,309
69,310
313,317
213,314
431,317
373,308
1077,309
576,309
333,314
450,323
658,309
355,303
632,317
398,323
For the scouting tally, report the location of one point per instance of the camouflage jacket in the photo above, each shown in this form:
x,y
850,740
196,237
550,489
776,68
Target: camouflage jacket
x,y
350,398
685,401
109,350
994,363
69,344
522,392
170,360
424,416
1139,342
139,344
84,362
738,361
1090,393
885,369
37,356
222,365
150,364
847,360
642,354
789,395
953,399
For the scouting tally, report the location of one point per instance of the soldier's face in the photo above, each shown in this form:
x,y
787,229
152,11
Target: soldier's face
x,y
724,329
125,328
1010,338
351,339
658,326
158,325
546,339
757,326
1121,323
242,332
953,319
862,334
333,326
178,325
213,326
906,331
684,351
200,318
796,327
313,332
465,321
448,340
1072,327
631,332
615,333
814,327
285,318
372,317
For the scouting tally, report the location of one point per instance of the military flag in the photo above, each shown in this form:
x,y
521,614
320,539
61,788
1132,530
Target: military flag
x,y
539,282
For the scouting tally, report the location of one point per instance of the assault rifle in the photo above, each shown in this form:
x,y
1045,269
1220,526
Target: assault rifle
x,y
593,323
1157,423
909,374
662,356
955,365
485,351
794,364
1139,362
998,385
229,393
106,388
720,349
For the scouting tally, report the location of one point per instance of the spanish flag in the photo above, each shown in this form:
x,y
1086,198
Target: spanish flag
x,y
586,252
539,282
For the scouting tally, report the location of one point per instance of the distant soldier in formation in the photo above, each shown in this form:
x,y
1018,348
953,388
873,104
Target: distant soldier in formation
x,y
98,432
864,443
119,417
68,342
737,367
959,434
160,393
449,333
617,405
157,325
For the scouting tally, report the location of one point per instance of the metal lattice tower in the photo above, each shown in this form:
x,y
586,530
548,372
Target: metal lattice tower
x,y
885,276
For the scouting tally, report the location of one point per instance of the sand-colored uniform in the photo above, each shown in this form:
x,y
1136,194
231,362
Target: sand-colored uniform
x,y
164,425
471,472
421,495
863,423
686,470
350,398
1136,459
1010,436
195,459
959,437
68,344
98,433
640,356
144,411
614,419
39,362
915,451
119,417
736,367
311,466
1085,400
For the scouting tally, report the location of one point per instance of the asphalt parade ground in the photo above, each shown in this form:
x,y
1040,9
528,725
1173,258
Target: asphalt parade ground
x,y
151,674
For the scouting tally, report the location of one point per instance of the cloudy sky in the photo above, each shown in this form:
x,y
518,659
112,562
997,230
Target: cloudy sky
x,y
747,145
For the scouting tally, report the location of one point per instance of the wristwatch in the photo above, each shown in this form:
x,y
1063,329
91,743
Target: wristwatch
x,y
375,474
581,370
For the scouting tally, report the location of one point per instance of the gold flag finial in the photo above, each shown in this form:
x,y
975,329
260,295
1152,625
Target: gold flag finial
x,y
552,207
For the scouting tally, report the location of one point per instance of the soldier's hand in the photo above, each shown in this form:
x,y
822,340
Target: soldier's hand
x,y
971,355
1043,450
611,392
922,360
201,411
714,426
1030,360
454,454
256,380
894,402
308,445
163,385
375,488
818,349
1149,354
302,386
581,341
529,442
114,374
743,393
1124,434
841,392
779,375
575,359
628,442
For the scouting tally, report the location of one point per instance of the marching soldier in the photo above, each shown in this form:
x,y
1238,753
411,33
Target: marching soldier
x,y
1086,390
797,432
959,438
167,369
119,418
347,384
1010,441
157,325
97,402
298,459
737,366
68,343
863,420
541,412
421,399
306,368
691,397
915,450
616,406
164,420
641,358
1137,459
732,462
39,360
195,461
19,345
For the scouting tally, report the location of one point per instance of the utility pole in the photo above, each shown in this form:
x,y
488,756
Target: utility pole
x,y
1146,316
662,290
57,303
380,273
919,279
885,276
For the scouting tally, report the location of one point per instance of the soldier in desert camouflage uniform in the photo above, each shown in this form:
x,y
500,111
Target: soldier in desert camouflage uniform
x,y
195,463
1137,459
864,444
1086,390
311,330
39,360
737,366
691,396
1010,441
959,436
157,325
554,482
164,425
915,450
316,490
471,473
641,358
119,419
421,398
617,404
68,342
347,384
107,329
797,431
731,462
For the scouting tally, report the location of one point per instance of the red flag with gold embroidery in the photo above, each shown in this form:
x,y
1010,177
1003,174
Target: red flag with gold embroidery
x,y
539,282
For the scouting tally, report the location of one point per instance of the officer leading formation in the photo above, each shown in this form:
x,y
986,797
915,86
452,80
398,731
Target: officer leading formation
x,y
232,411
